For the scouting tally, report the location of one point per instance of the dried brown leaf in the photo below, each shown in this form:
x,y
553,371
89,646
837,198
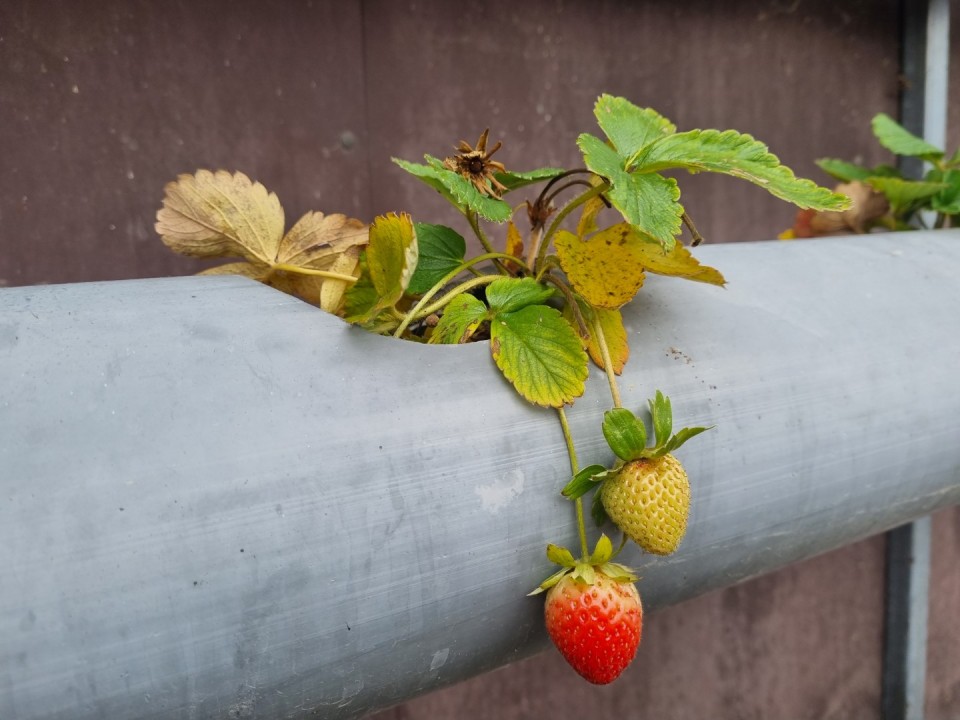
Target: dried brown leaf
x,y
221,215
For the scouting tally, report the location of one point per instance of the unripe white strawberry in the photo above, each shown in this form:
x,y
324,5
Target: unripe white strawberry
x,y
649,499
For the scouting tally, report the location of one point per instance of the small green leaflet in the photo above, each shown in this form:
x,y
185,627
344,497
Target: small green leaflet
x,y
513,180
441,251
900,141
903,194
602,552
680,438
560,556
625,434
460,320
662,416
630,128
739,155
948,200
584,481
844,171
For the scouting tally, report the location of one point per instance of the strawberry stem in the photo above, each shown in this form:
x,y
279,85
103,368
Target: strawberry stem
x,y
575,468
417,311
607,362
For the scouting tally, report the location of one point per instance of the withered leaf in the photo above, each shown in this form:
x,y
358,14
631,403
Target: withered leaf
x,y
220,215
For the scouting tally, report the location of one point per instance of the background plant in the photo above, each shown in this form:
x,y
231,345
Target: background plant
x,y
885,196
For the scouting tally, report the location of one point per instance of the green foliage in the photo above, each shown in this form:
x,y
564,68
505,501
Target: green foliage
x,y
900,141
908,198
441,250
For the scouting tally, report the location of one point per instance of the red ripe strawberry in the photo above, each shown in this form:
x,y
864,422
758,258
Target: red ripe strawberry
x,y
596,627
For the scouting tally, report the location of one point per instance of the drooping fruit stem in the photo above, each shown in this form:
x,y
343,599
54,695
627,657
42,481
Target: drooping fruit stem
x,y
607,361
419,310
574,469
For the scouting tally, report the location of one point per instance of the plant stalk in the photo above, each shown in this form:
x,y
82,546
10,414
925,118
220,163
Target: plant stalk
x,y
418,310
607,361
318,273
561,216
574,469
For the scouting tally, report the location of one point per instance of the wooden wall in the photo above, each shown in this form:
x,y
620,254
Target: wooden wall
x,y
102,104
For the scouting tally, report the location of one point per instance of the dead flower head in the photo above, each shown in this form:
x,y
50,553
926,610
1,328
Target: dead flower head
x,y
475,165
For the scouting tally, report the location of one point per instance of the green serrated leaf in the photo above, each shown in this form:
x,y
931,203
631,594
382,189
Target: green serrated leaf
x,y
441,251
603,551
513,180
560,556
739,155
905,195
625,433
954,159
597,511
391,257
900,141
947,201
630,128
649,202
540,354
459,191
680,438
662,415
843,170
511,294
460,320
583,482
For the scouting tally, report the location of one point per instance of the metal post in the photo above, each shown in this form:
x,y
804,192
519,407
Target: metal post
x,y
926,57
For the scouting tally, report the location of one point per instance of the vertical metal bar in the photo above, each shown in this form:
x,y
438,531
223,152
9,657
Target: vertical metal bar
x,y
925,62
905,649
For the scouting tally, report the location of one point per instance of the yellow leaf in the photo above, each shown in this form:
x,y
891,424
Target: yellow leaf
x,y
331,294
392,256
608,268
591,209
678,262
611,323
514,247
604,269
219,214
317,240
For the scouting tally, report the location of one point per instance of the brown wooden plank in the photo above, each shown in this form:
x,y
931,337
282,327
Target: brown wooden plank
x,y
805,77
102,104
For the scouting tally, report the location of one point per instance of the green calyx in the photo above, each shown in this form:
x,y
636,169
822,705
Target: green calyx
x,y
585,570
626,434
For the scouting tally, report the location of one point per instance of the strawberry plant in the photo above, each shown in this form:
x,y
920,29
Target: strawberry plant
x,y
883,196
548,300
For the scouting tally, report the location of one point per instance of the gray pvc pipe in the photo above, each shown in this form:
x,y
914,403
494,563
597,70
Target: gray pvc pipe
x,y
219,502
